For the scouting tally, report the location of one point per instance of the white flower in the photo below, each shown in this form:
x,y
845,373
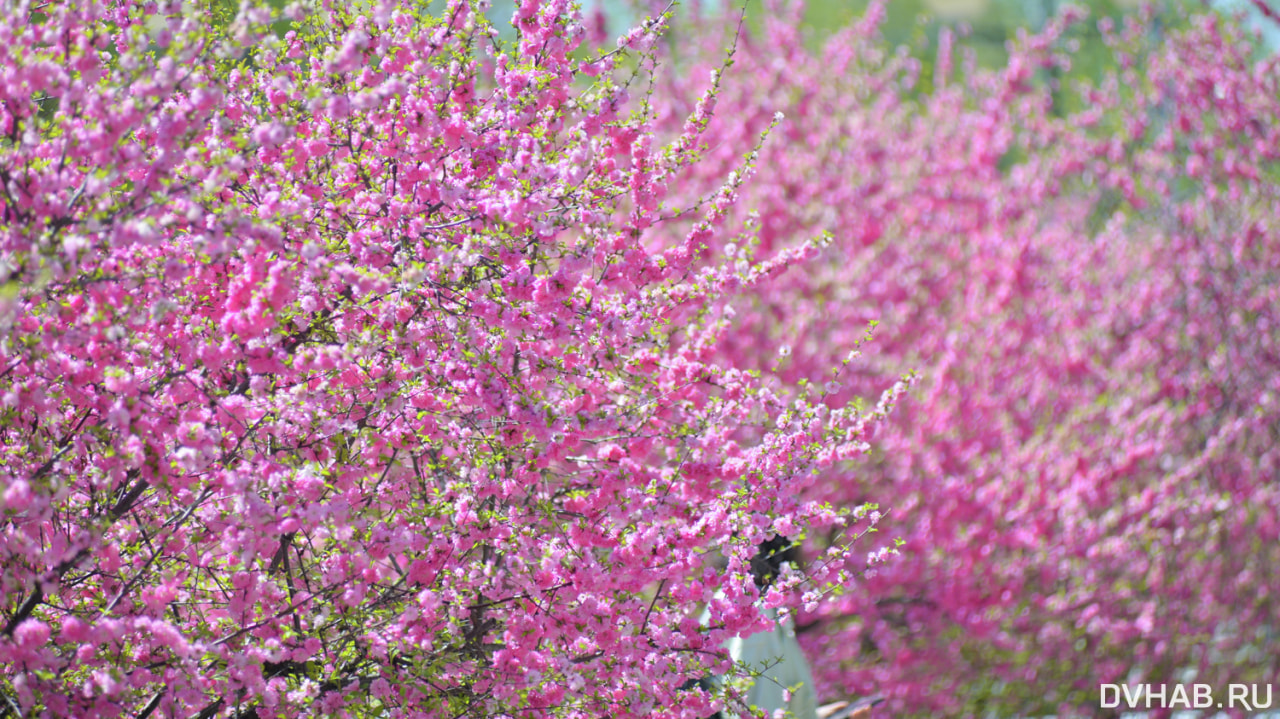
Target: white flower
x,y
784,351
162,307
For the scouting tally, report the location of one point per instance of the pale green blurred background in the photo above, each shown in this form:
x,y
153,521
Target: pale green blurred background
x,y
991,22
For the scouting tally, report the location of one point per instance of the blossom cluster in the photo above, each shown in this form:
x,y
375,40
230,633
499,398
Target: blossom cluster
x,y
352,364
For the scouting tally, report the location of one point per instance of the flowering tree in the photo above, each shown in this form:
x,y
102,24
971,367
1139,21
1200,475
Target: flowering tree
x,y
354,368
1086,479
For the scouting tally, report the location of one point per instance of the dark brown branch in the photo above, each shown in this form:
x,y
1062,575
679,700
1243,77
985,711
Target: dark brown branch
x,y
209,711
151,705
125,503
24,611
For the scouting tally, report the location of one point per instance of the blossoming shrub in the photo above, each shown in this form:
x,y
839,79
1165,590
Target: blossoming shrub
x,y
349,372
1086,478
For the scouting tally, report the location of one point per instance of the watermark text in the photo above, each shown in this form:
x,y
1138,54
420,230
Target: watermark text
x,y
1248,697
